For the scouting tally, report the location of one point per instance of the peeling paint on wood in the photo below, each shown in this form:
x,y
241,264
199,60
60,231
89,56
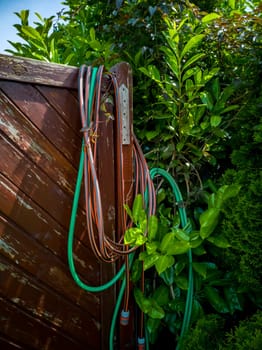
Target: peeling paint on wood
x,y
41,307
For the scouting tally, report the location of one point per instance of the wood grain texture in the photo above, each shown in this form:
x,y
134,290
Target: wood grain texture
x,y
33,71
41,307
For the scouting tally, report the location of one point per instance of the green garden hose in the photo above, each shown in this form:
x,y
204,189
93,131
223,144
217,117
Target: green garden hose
x,y
88,288
182,212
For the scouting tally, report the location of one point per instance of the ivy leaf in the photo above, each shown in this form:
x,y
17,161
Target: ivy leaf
x,y
152,227
163,263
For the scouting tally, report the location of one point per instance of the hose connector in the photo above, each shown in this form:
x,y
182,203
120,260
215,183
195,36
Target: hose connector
x,y
124,317
141,343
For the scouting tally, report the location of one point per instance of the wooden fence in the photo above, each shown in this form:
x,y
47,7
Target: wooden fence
x,y
41,307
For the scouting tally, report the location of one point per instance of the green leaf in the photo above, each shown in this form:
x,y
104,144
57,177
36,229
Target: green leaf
x,y
178,247
129,212
152,227
32,33
137,208
142,301
197,311
92,34
215,120
95,45
232,299
189,87
148,305
179,267
161,295
210,17
171,321
200,250
206,99
181,235
189,73
150,135
163,263
167,240
134,236
208,221
152,326
232,4
192,60
156,310
192,43
149,260
154,72
181,282
202,268
151,247
216,300
219,241
216,88
168,276
136,271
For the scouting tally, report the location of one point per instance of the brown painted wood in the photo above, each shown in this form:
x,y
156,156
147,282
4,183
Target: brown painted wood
x,y
38,72
38,110
39,226
27,293
29,139
18,246
9,344
35,334
65,103
40,144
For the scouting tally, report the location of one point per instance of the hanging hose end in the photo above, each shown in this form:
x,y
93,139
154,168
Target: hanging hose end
x,y
124,318
141,343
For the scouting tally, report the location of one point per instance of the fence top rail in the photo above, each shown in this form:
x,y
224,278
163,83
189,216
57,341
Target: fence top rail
x,y
37,72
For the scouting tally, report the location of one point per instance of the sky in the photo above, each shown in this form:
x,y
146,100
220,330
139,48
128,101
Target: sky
x,y
46,8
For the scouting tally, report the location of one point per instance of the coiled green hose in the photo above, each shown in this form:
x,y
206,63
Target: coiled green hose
x,y
95,289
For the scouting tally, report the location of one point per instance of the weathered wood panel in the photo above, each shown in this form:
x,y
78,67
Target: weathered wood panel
x,y
31,332
33,71
41,307
37,109
38,301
